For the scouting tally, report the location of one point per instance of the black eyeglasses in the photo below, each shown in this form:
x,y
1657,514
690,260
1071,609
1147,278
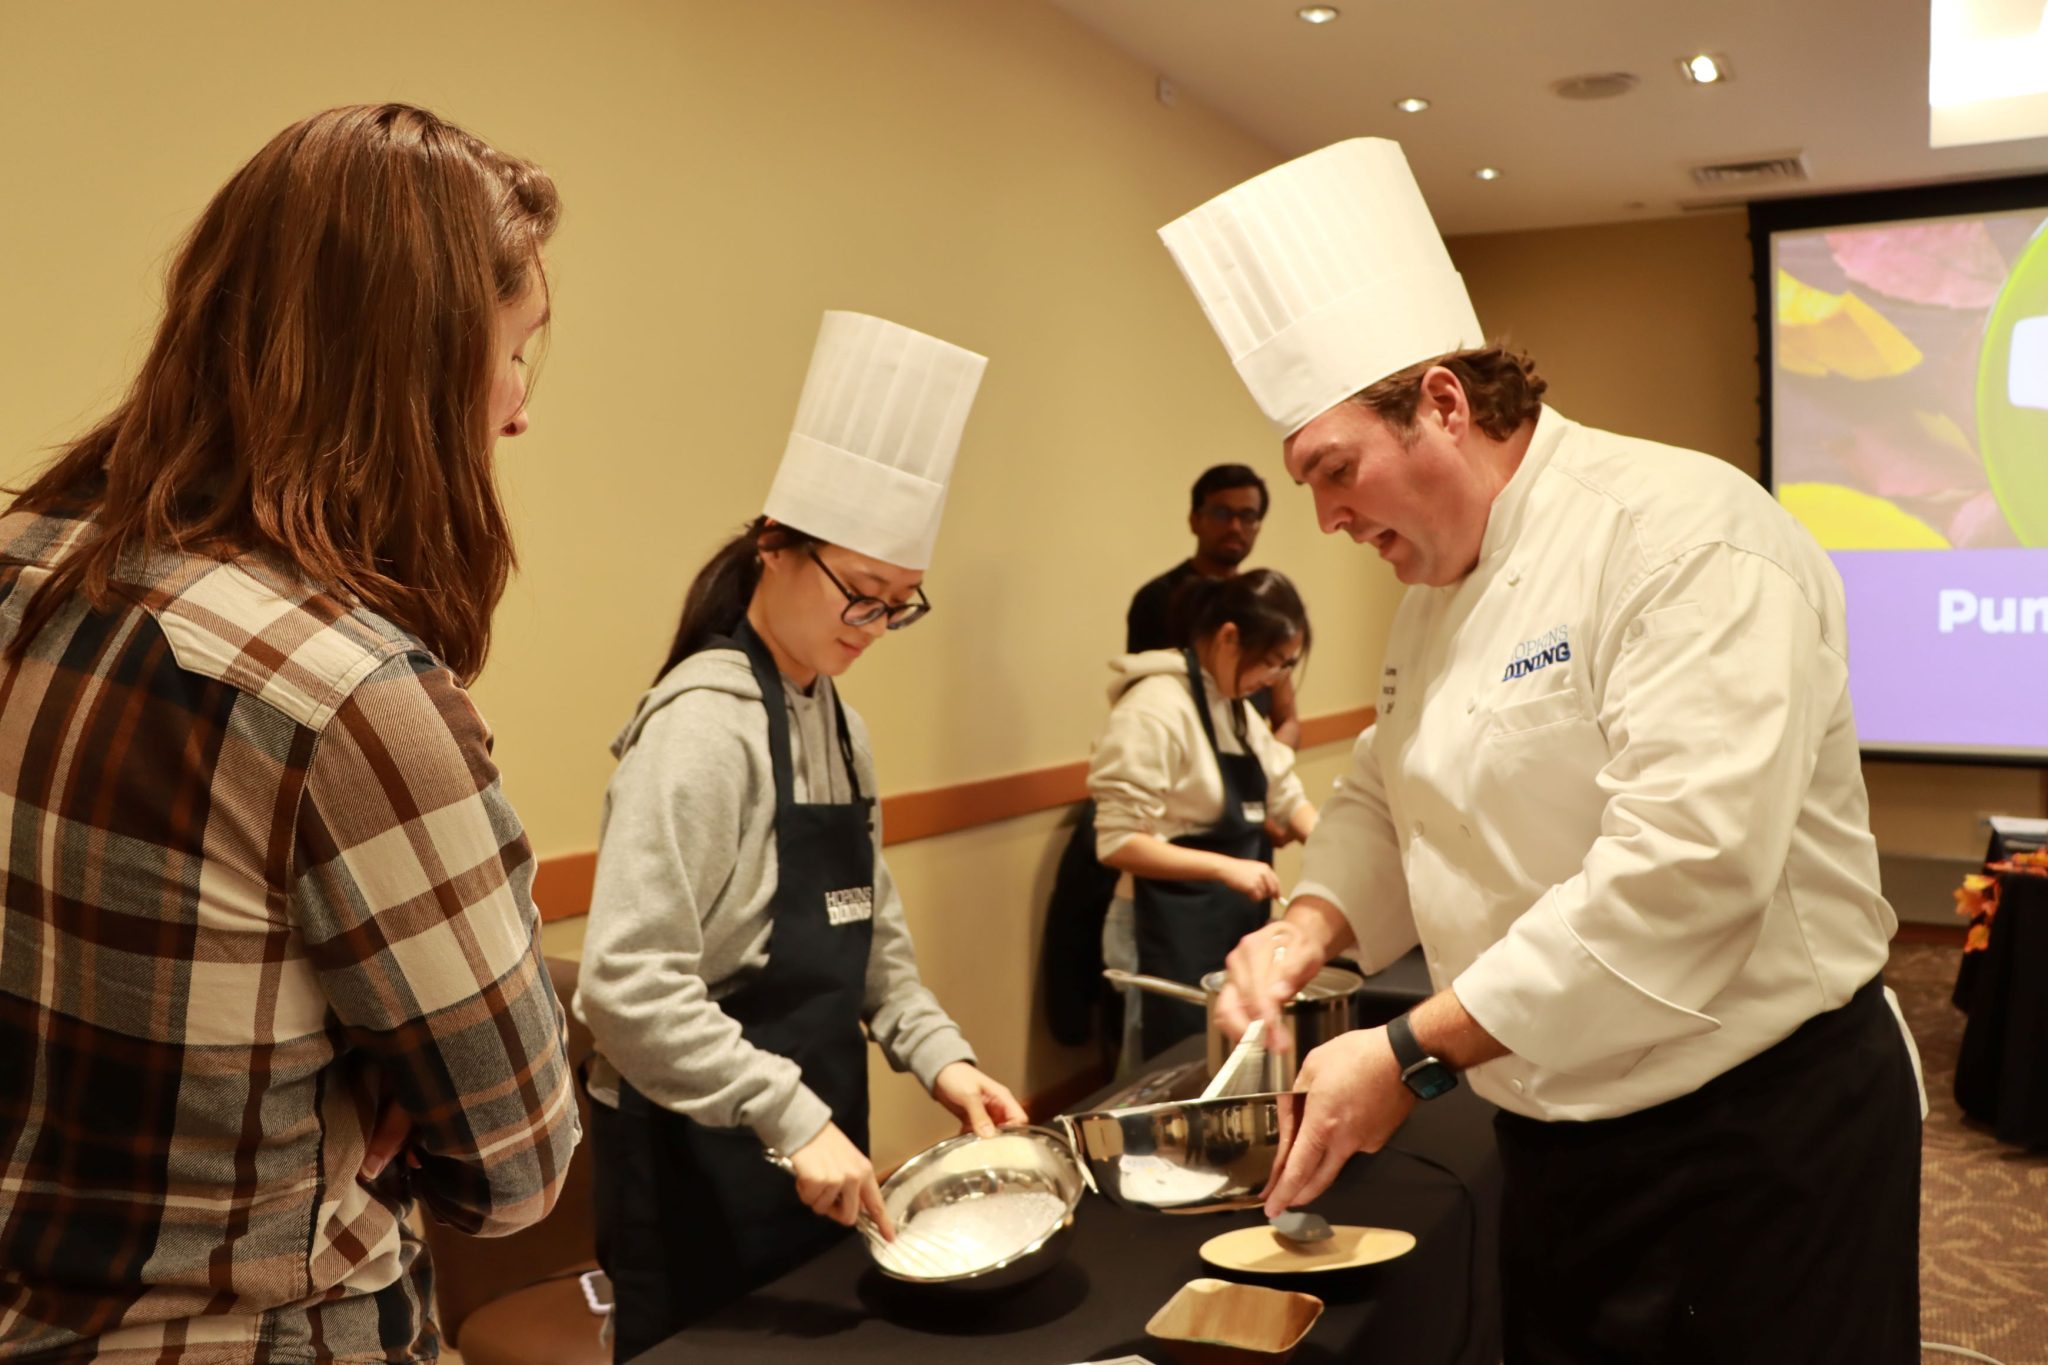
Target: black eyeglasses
x,y
1247,517
862,610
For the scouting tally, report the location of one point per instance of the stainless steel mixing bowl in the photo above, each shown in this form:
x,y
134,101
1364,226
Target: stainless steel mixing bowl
x,y
1189,1156
970,1168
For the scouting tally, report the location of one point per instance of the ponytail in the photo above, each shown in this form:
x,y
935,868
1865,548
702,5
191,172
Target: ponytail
x,y
720,593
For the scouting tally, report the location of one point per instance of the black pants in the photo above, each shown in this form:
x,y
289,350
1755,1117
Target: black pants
x,y
1771,1217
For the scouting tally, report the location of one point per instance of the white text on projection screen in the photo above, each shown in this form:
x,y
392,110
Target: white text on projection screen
x,y
1909,433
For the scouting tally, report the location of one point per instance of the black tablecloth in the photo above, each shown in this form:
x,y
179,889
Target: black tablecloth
x,y
1440,1179
2002,1071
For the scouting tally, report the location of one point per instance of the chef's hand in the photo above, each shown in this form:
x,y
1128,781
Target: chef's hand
x,y
1355,1102
836,1180
981,1103
1249,877
1266,968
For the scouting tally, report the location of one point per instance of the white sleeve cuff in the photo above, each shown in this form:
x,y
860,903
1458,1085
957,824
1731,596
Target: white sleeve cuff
x,y
1108,841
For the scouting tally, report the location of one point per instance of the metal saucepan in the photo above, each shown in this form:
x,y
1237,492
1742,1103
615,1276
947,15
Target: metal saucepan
x,y
1327,1006
1191,1156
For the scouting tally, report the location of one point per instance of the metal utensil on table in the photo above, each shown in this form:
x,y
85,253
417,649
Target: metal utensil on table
x,y
1301,1226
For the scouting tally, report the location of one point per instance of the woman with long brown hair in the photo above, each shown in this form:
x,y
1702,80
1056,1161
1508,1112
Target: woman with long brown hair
x,y
267,920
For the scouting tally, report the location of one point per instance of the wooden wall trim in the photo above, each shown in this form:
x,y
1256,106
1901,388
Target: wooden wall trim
x,y
561,884
909,816
1339,727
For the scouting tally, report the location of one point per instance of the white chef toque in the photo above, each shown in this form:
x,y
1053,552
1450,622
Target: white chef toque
x,y
1323,276
876,430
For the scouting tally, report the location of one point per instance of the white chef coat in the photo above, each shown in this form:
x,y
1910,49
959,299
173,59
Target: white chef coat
x,y
1614,787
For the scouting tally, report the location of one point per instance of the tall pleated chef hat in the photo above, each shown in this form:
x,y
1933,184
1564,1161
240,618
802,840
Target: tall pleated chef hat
x,y
872,447
1323,276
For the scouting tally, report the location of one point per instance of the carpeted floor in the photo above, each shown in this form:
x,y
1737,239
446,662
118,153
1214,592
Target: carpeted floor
x,y
1983,1204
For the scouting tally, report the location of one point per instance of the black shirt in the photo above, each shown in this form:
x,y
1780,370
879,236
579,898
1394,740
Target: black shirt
x,y
1145,625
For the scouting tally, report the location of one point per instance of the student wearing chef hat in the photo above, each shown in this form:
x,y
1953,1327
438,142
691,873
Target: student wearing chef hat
x,y
1614,790
745,938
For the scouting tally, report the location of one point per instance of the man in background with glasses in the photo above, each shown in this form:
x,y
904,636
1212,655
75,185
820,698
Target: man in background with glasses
x,y
1228,506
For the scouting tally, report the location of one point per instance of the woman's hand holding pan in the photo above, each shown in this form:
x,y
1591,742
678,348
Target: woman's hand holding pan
x,y
836,1180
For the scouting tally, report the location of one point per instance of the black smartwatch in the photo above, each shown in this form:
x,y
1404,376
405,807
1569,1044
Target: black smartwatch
x,y
1425,1075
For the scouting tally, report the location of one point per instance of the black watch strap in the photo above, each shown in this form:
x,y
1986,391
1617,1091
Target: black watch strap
x,y
1401,1035
1423,1074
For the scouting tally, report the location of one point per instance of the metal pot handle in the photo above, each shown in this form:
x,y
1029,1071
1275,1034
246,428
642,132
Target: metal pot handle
x,y
1158,985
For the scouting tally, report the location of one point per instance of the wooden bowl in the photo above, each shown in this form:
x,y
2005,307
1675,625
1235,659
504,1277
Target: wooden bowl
x,y
1215,1322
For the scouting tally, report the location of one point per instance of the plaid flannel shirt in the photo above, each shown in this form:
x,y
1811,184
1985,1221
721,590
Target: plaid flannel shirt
x,y
259,879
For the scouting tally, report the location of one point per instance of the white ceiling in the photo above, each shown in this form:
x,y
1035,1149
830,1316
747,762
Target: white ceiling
x,y
1845,81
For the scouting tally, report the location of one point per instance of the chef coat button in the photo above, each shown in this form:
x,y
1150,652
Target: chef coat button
x,y
1517,1085
1418,829
1514,577
1465,830
1471,705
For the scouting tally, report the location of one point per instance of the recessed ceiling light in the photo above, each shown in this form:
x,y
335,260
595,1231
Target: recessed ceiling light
x,y
1318,14
1414,104
1705,68
1487,173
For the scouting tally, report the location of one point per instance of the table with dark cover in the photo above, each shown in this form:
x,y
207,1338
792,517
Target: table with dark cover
x,y
1440,1179
2002,1071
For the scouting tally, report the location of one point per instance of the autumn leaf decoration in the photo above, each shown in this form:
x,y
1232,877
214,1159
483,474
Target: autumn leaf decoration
x,y
1821,333
1977,897
1977,902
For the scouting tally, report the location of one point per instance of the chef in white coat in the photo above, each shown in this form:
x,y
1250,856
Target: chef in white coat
x,y
1613,789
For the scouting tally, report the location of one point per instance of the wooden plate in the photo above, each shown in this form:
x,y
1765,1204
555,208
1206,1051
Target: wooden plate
x,y
1261,1251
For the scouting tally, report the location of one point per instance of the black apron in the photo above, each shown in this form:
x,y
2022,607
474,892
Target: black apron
x,y
692,1217
1187,928
1770,1217
1082,890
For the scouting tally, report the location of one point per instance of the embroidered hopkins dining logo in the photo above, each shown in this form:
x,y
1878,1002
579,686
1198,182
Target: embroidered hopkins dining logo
x,y
1553,646
850,906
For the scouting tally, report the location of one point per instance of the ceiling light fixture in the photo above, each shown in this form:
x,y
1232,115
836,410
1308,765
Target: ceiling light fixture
x,y
1318,14
1414,104
1486,173
1705,68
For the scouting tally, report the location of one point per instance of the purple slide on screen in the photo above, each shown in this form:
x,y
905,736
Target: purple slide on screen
x,y
1909,434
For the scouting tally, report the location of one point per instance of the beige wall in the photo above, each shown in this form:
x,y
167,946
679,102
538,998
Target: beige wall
x,y
1649,328
989,172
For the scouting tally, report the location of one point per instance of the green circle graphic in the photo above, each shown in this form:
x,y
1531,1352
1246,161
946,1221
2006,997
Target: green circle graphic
x,y
2013,437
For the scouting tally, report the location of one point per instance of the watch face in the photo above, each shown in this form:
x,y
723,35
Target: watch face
x,y
1431,1080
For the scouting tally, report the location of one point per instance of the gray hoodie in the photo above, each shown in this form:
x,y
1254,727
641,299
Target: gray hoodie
x,y
686,866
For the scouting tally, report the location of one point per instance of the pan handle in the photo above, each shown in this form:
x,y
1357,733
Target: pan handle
x,y
1158,985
